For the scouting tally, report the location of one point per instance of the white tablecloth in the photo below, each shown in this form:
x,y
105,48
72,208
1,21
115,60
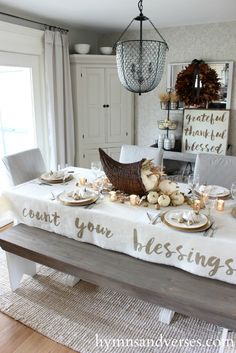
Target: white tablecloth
x,y
125,228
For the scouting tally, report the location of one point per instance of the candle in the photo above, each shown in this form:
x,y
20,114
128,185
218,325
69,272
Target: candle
x,y
197,205
220,205
82,181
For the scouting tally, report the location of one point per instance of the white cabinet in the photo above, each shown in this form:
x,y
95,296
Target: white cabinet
x,y
103,108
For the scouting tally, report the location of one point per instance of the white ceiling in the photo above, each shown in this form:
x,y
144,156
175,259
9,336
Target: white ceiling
x,y
116,14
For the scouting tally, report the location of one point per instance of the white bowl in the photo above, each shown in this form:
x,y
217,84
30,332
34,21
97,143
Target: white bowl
x,y
82,48
106,50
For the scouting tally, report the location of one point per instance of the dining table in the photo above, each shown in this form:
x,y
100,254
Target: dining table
x,y
128,229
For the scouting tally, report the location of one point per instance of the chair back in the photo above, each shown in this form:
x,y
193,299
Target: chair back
x,y
215,170
132,153
24,166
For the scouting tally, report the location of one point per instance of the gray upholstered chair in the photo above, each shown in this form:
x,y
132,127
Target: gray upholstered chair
x,y
131,153
24,166
215,170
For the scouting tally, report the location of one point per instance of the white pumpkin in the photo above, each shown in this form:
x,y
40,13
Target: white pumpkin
x,y
152,197
177,198
164,200
168,186
150,181
134,200
113,196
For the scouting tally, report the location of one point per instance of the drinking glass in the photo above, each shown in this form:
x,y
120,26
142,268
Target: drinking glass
x,y
96,168
233,190
209,202
193,182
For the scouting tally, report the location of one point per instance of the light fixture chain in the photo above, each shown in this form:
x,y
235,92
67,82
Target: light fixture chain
x,y
140,6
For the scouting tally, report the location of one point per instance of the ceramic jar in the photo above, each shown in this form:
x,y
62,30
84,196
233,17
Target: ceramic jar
x,y
167,144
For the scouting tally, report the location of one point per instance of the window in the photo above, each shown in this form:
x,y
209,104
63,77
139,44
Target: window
x,y
17,116
22,103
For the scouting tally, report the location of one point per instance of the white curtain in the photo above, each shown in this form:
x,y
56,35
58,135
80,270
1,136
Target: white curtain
x,y
59,99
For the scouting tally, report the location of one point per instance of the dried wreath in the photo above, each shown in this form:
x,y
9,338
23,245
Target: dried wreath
x,y
197,84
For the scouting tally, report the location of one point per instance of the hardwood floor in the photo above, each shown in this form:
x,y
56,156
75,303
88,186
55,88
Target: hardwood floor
x,y
18,338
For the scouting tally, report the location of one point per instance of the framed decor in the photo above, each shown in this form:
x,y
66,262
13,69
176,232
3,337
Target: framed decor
x,y
205,131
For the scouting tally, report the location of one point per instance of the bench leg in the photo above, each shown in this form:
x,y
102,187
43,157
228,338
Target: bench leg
x,y
17,267
223,338
166,315
71,281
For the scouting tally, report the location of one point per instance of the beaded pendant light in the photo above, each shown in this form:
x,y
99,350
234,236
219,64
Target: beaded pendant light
x,y
140,63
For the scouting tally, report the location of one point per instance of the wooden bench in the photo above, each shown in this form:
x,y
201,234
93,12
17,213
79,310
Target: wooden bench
x,y
168,287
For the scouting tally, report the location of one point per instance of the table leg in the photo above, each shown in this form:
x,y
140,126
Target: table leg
x,y
71,281
17,267
166,315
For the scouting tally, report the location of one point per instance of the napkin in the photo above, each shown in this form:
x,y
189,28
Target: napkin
x,y
56,174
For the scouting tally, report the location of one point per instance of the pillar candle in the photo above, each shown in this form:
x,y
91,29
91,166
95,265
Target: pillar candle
x,y
197,205
220,205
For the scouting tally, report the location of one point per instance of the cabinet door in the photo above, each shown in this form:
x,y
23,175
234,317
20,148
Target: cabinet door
x,y
93,117
117,111
88,156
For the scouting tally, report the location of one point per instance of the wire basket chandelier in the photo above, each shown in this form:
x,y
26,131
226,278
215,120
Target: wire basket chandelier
x,y
140,63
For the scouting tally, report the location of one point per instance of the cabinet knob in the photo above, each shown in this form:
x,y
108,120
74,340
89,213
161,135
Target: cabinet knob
x,y
104,105
126,134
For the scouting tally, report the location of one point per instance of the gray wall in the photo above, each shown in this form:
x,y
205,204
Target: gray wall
x,y
76,35
208,42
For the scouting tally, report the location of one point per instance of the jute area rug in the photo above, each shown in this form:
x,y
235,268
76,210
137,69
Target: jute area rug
x,y
92,319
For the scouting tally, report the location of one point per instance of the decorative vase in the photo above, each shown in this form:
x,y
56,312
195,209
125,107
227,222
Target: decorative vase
x,y
164,105
167,144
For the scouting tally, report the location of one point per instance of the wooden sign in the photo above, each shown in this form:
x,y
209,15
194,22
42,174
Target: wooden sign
x,y
205,131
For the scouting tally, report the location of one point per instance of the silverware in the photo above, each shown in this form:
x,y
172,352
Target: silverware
x,y
54,197
88,207
153,220
43,183
211,230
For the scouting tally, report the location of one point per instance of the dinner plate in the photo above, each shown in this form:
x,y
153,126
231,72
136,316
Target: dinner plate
x,y
188,230
171,217
215,191
48,178
68,200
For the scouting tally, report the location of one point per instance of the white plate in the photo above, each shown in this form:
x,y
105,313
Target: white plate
x,y
172,216
216,191
67,199
56,179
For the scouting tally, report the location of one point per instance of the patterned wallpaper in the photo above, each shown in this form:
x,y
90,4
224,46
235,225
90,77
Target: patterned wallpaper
x,y
208,42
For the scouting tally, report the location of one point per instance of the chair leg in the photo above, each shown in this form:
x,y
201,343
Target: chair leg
x,y
166,315
17,267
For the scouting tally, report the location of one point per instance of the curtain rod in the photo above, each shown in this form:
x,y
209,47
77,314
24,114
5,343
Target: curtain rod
x,y
32,21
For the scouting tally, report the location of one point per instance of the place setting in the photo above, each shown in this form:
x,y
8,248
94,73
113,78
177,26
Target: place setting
x,y
56,177
186,220
85,192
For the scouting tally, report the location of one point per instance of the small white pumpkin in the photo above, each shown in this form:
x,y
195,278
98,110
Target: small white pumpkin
x,y
168,186
164,200
152,197
150,181
134,200
177,198
113,196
